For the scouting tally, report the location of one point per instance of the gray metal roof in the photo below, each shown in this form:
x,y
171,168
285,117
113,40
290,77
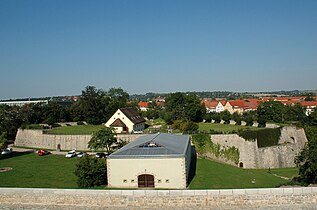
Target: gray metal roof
x,y
154,145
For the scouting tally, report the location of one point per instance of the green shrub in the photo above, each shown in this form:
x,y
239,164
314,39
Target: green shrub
x,y
265,137
91,172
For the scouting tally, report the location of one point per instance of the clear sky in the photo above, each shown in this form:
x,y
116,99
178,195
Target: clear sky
x,y
57,47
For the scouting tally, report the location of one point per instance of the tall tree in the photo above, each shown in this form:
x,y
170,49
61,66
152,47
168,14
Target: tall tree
x,y
307,159
90,105
102,139
183,106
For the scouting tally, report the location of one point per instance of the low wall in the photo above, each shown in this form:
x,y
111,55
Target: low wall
x,y
36,139
267,198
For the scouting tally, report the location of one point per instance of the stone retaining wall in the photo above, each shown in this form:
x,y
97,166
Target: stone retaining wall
x,y
266,198
291,142
36,139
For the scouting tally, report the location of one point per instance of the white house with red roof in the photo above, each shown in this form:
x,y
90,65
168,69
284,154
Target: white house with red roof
x,y
126,120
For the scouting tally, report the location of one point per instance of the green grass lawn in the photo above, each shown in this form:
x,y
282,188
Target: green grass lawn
x,y
285,172
56,171
214,175
75,130
222,127
31,170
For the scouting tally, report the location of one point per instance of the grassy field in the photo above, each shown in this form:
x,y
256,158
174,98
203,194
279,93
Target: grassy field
x,y
56,171
213,175
75,130
31,170
222,127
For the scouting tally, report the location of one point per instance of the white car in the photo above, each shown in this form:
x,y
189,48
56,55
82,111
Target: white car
x,y
6,151
70,154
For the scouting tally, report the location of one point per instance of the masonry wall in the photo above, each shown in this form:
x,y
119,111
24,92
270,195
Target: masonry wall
x,y
291,142
36,139
268,198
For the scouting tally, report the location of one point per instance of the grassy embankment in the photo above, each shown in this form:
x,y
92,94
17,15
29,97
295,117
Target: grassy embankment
x,y
53,171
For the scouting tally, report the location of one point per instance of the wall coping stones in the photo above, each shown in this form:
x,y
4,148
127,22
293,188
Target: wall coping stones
x,y
158,193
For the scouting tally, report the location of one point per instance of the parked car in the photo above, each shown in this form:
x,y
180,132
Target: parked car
x,y
70,154
7,151
81,154
43,152
137,132
101,155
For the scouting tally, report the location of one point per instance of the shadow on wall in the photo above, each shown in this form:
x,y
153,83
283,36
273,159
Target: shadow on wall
x,y
192,169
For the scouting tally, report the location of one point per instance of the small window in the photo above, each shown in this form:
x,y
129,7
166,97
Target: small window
x,y
118,113
132,180
125,181
159,181
167,181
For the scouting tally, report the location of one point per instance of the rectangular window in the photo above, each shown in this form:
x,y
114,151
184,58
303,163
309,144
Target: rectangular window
x,y
167,181
125,181
159,181
132,180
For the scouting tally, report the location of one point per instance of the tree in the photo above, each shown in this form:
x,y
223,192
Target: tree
x,y
312,118
185,126
3,142
237,118
216,117
225,116
273,111
208,117
90,105
91,172
181,106
249,117
101,139
307,159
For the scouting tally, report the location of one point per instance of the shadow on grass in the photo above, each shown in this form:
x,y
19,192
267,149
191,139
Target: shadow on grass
x,y
16,154
192,168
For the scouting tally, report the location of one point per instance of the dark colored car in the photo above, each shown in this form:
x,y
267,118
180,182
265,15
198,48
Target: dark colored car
x,y
101,155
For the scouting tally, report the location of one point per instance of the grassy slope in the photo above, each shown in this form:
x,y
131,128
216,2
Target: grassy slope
x,y
75,130
31,170
213,175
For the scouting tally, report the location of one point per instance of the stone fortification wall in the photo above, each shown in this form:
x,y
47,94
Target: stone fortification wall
x,y
291,142
36,139
269,198
248,150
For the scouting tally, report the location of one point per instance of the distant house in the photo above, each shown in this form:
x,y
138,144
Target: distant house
x,y
220,106
143,105
126,120
152,161
309,106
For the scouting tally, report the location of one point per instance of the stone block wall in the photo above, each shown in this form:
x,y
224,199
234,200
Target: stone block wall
x,y
36,139
267,198
291,142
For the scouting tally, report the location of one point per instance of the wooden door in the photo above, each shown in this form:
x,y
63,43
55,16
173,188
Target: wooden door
x,y
146,181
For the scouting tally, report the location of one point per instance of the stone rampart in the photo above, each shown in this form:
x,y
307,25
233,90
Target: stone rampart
x,y
267,198
36,139
291,142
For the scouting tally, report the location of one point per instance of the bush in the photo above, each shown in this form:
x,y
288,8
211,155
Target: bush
x,y
265,137
91,172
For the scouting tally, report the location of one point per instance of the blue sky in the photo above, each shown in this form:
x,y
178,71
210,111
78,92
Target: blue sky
x,y
57,47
